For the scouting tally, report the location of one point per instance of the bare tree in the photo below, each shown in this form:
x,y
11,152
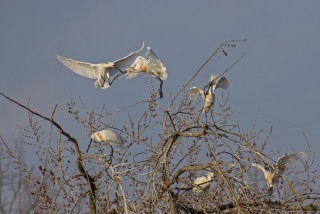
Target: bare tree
x,y
166,150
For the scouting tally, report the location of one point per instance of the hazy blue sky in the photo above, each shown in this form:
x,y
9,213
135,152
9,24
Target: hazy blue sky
x,y
276,82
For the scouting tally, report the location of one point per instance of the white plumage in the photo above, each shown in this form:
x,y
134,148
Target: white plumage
x,y
203,182
273,173
108,137
101,71
208,99
150,64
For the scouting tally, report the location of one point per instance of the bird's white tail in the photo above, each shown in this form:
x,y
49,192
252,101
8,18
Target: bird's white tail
x,y
164,74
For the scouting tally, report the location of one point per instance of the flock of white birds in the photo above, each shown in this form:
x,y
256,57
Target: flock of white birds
x,y
151,64
142,63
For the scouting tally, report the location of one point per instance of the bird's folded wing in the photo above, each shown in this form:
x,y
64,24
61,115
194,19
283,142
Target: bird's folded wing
x,y
123,63
136,67
82,68
117,143
194,92
115,137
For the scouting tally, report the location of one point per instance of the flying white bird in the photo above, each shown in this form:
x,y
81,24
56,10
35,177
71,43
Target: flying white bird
x,y
107,137
209,97
150,64
101,71
273,173
203,182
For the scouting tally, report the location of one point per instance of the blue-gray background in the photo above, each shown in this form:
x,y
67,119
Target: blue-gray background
x,y
276,82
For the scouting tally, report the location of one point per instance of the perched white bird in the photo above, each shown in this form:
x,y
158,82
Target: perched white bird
x,y
101,71
273,173
203,182
209,97
150,64
108,137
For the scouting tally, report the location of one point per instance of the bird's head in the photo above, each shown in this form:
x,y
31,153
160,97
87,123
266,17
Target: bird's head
x,y
97,137
208,87
93,137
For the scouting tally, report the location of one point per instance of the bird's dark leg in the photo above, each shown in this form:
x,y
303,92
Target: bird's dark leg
x,y
110,83
270,190
279,195
122,72
211,114
205,114
160,89
111,155
89,146
104,80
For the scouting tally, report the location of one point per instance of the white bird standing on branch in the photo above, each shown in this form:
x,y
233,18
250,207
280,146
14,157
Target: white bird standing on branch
x,y
150,64
101,71
209,97
107,137
273,173
203,182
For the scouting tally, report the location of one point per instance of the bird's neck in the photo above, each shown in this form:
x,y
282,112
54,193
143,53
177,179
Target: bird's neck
x,y
211,90
213,87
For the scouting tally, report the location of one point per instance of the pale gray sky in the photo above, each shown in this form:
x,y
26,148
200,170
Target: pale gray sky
x,y
276,82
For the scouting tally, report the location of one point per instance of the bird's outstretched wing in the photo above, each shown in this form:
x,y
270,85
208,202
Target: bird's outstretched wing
x,y
123,63
222,83
259,166
82,68
260,157
284,161
194,92
155,63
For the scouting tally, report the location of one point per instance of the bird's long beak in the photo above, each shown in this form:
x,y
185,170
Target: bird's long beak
x,y
206,91
89,145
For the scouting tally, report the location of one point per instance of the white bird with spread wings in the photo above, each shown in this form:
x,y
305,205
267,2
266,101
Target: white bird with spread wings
x,y
150,64
101,71
273,173
209,97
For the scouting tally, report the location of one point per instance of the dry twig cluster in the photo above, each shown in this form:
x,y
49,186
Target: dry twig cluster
x,y
165,151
